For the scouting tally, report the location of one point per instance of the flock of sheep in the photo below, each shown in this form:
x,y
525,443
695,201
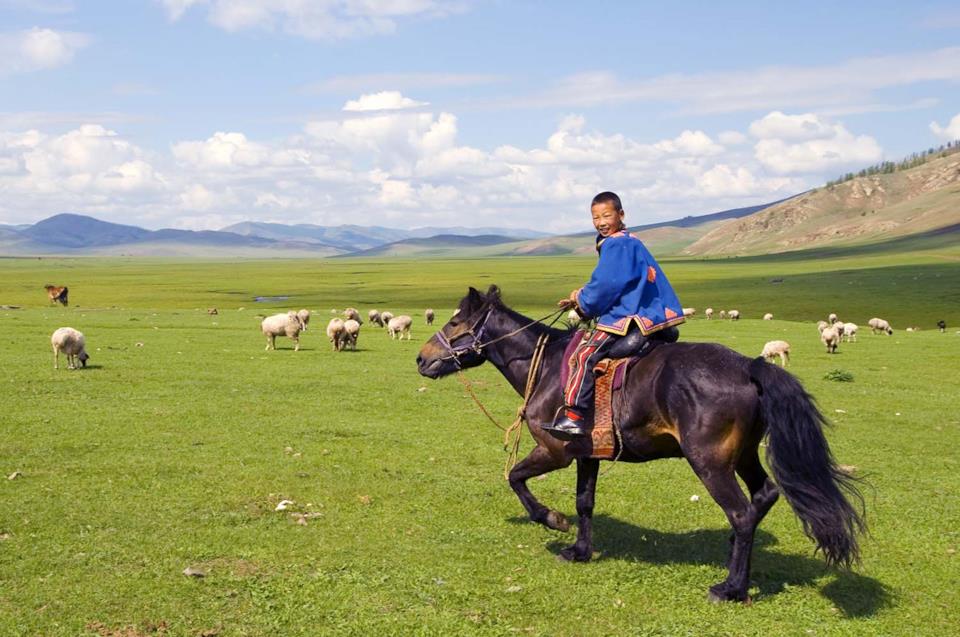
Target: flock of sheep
x,y
342,332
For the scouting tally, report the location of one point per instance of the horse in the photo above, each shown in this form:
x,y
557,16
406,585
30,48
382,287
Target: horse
x,y
56,293
700,401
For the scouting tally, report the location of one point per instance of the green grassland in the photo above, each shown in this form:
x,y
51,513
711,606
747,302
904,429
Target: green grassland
x,y
175,453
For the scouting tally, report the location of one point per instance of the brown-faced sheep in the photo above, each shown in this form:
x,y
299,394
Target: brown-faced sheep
x,y
830,337
776,348
385,317
832,318
304,316
400,325
212,311
351,332
428,316
352,313
336,333
288,324
708,313
70,342
734,315
879,326
723,314
768,316
374,317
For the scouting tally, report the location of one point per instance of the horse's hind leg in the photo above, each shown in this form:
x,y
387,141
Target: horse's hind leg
x,y
763,491
582,549
539,461
743,517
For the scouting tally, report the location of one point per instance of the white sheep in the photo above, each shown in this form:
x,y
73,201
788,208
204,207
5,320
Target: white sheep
x,y
708,313
734,315
830,337
850,332
374,317
351,313
335,332
385,317
776,348
351,331
689,311
822,325
304,316
400,325
832,318
723,314
70,342
768,316
288,324
573,319
878,326
428,316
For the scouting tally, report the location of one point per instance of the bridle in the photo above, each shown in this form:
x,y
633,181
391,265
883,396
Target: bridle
x,y
476,331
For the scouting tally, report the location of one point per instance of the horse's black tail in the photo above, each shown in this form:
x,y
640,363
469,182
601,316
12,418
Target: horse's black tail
x,y
803,465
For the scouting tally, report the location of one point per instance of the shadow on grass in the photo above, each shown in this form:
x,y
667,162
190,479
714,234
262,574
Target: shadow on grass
x,y
772,572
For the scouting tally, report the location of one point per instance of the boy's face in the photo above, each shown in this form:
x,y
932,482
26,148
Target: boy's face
x,y
606,219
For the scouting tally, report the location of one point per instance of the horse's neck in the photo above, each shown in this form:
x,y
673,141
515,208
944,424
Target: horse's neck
x,y
513,355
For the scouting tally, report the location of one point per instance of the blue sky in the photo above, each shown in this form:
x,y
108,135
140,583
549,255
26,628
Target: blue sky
x,y
202,113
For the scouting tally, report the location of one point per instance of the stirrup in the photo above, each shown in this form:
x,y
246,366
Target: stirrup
x,y
568,425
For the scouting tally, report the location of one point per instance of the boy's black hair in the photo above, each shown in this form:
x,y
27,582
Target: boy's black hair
x,y
610,198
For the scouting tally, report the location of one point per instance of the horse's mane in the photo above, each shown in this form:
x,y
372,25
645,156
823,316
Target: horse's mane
x,y
493,298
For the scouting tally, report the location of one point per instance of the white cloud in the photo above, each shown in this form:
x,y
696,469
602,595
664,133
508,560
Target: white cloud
x,y
791,144
732,138
315,19
777,125
950,132
382,101
397,81
38,49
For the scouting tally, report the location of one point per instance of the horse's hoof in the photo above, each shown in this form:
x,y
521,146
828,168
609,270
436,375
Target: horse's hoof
x,y
557,521
718,595
571,554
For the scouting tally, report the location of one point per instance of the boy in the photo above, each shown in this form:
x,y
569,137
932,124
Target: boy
x,y
627,291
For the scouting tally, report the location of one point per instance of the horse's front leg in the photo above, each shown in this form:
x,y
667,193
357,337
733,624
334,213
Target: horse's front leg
x,y
582,549
538,462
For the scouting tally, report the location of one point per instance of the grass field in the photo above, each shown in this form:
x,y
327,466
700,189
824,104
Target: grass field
x,y
174,454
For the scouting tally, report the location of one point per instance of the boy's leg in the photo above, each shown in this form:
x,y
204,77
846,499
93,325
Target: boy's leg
x,y
579,392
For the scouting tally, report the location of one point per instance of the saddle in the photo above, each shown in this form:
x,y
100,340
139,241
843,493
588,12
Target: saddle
x,y
609,374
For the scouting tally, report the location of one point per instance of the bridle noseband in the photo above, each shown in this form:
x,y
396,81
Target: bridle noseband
x,y
475,331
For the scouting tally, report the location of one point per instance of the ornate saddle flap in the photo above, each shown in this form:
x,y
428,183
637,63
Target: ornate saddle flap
x,y
610,373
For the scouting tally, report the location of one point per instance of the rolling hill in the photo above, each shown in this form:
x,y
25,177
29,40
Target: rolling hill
x,y
921,202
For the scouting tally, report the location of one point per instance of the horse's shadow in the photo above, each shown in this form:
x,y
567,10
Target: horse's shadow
x,y
772,572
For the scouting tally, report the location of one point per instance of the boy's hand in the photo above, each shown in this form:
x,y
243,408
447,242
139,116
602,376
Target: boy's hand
x,y
569,302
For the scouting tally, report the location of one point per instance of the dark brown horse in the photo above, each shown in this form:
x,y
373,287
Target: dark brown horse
x,y
56,293
701,401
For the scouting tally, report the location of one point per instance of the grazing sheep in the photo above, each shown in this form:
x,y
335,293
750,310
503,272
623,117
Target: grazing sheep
x,y
689,311
734,315
351,331
336,331
822,325
428,316
288,325
776,348
400,325
374,317
850,332
212,311
912,329
832,318
385,317
878,326
708,313
942,325
831,338
573,319
351,313
57,293
723,314
304,316
70,342
768,316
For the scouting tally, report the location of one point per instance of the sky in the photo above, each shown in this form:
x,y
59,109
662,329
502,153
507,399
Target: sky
x,y
198,114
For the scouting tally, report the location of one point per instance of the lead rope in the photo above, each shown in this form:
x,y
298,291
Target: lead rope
x,y
513,433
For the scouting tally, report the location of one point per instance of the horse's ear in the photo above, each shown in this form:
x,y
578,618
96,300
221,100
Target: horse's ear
x,y
493,294
474,295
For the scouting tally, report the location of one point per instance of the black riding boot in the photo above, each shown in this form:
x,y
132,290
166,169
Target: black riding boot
x,y
568,424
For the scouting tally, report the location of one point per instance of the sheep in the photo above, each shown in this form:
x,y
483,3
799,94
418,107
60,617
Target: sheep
x,y
942,325
831,338
822,325
734,315
335,332
288,324
723,314
71,343
352,313
428,316
212,311
878,326
850,332
400,325
832,318
768,316
573,319
913,329
374,317
351,331
776,348
689,311
385,318
708,313
304,316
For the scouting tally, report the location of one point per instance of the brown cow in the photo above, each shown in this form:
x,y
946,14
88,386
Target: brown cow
x,y
56,293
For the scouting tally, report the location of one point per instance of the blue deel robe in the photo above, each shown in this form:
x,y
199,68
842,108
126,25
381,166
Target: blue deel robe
x,y
628,286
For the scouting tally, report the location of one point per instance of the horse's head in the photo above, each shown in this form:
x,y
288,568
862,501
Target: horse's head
x,y
457,345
